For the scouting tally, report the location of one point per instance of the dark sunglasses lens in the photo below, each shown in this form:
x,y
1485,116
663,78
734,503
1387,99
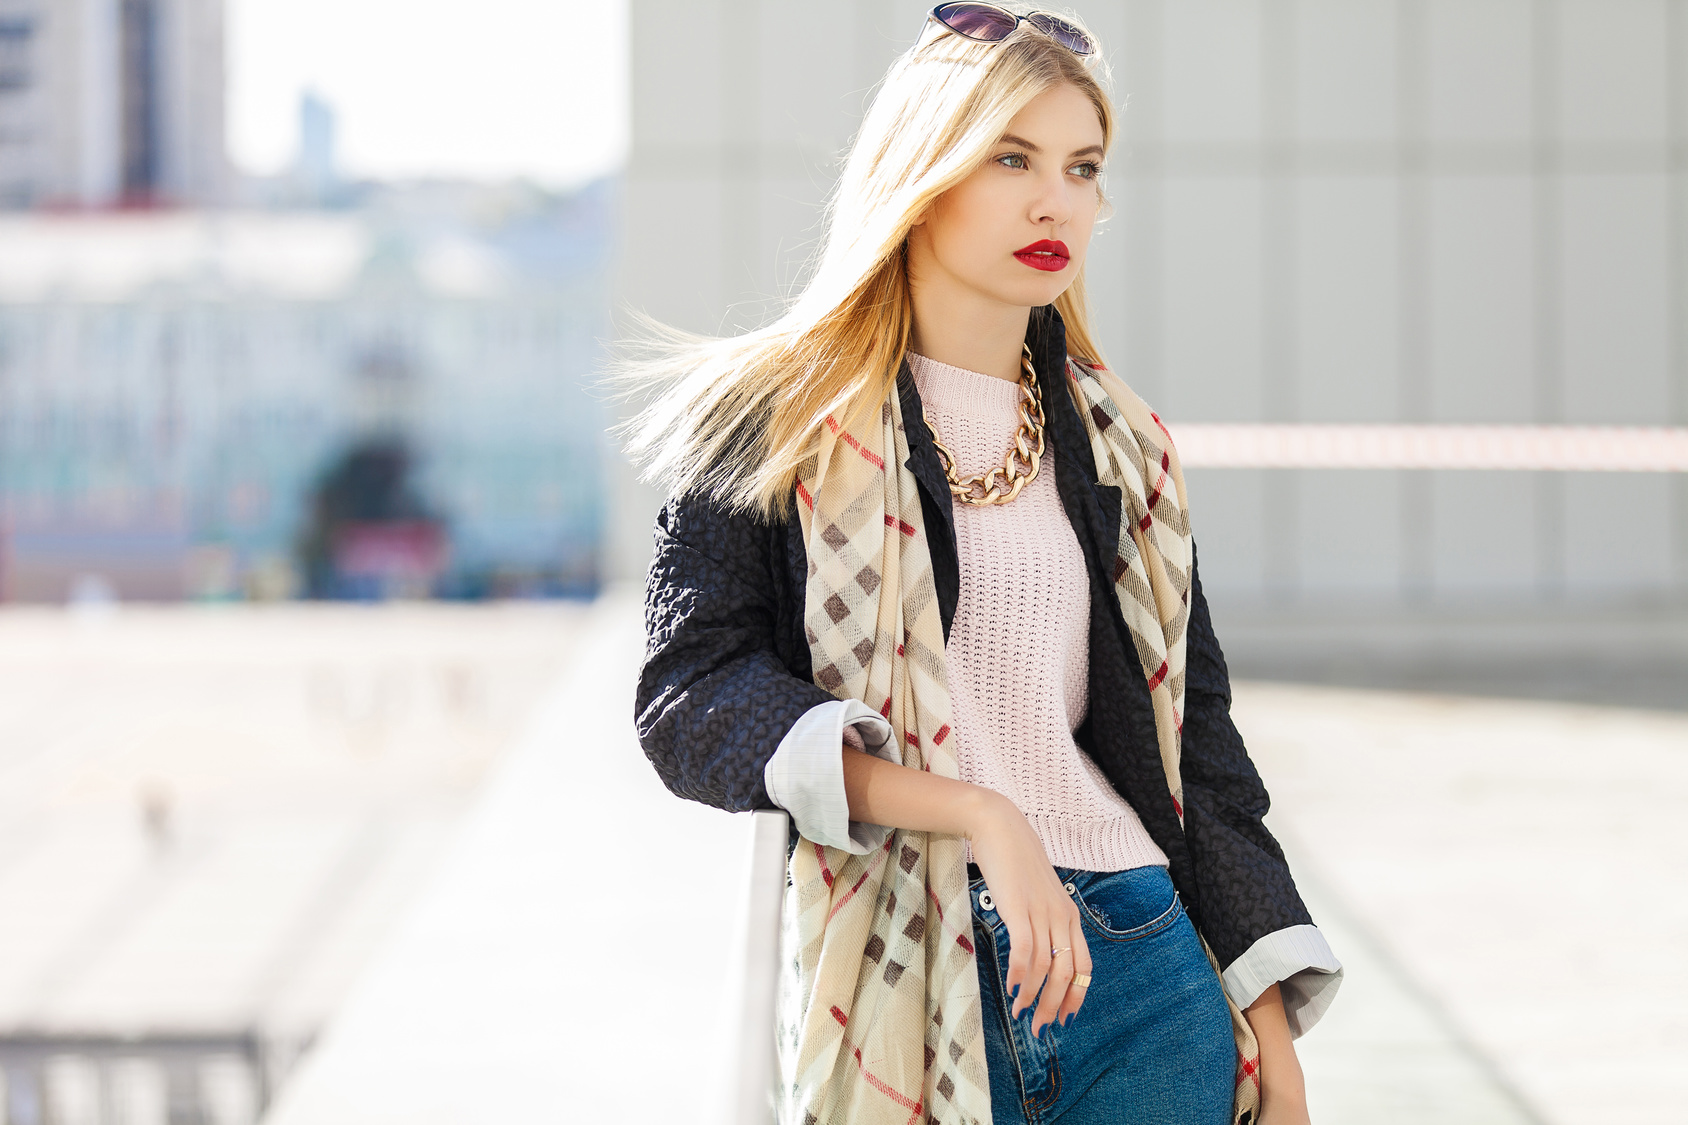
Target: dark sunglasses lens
x,y
976,21
1063,33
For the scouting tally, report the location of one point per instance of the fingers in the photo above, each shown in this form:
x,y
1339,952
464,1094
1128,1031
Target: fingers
x,y
1028,961
1059,978
1082,967
1038,976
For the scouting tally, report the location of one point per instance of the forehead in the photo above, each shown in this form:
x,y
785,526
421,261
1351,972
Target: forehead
x,y
1062,115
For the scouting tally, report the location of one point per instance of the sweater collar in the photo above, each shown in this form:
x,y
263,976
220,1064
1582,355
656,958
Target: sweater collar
x,y
1046,335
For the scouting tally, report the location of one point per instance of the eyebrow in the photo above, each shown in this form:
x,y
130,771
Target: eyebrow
x,y
1011,139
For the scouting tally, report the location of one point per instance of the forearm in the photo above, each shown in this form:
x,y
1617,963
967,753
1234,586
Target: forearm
x,y
881,792
1283,1090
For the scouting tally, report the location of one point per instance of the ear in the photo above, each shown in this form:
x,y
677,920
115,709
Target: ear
x,y
925,215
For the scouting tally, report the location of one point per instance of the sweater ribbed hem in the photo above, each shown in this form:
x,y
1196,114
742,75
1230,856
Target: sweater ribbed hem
x,y
1114,844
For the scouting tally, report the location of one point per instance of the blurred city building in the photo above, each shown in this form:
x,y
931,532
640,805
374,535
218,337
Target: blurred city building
x,y
1405,211
108,102
388,399
315,169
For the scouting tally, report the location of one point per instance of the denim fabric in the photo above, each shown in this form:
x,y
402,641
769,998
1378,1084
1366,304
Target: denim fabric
x,y
1153,1041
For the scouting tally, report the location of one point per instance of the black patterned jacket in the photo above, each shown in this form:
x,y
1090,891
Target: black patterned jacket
x,y
727,672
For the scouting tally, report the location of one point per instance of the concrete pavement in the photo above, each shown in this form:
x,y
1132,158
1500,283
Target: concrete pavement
x,y
1498,877
1519,865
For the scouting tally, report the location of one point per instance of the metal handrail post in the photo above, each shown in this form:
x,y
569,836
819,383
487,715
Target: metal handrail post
x,y
758,1070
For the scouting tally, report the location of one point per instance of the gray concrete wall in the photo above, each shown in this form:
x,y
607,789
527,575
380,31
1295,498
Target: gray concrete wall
x,y
1326,210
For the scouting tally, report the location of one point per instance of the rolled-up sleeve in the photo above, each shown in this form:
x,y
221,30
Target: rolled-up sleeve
x,y
1299,960
1252,914
714,696
805,777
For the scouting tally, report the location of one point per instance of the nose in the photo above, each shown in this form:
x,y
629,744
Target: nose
x,y
1052,203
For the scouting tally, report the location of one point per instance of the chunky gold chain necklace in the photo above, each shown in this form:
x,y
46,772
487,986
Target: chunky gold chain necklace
x,y
1003,482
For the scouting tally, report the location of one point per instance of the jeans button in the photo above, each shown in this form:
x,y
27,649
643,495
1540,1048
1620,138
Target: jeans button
x,y
985,902
1072,890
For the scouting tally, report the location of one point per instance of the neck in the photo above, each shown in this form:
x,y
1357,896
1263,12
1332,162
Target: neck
x,y
968,331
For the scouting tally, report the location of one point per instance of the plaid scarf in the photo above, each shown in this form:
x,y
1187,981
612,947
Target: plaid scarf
x,y
880,1018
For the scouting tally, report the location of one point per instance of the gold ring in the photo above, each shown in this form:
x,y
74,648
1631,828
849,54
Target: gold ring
x,y
1054,953
1081,980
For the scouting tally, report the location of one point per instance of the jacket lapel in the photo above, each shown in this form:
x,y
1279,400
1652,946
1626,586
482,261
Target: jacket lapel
x,y
935,500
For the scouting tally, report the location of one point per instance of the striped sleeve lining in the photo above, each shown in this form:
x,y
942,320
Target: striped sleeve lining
x,y
805,777
1301,962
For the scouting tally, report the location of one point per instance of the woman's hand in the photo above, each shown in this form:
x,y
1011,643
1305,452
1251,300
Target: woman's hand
x,y
1040,915
1283,1090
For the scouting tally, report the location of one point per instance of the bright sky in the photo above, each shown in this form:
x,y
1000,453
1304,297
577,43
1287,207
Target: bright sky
x,y
493,89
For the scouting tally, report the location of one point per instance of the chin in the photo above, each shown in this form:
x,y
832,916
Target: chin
x,y
1036,295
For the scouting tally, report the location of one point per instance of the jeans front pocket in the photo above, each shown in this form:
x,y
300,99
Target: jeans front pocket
x,y
1128,905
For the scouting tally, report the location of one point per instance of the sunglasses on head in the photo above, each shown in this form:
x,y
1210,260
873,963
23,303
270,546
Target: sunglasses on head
x,y
987,23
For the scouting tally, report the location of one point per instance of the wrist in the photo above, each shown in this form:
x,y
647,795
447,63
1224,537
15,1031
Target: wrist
x,y
984,810
1283,1088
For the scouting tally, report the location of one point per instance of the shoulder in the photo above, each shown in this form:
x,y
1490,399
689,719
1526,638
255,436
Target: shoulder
x,y
696,532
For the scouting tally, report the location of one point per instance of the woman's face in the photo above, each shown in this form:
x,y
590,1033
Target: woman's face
x,y
1015,231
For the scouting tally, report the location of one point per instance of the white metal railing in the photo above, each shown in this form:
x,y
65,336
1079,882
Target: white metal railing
x,y
1640,449
753,1094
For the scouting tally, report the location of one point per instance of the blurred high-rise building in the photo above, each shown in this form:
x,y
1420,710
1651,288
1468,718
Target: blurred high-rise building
x,y
314,165
109,102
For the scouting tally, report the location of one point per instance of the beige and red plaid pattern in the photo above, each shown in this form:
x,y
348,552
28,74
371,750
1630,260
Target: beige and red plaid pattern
x,y
880,1015
881,1019
1152,575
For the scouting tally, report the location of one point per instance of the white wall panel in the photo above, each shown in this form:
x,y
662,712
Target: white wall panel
x,y
671,243
1478,72
1212,299
1481,299
1617,533
1614,331
1347,300
806,97
677,46
1348,533
1128,290
1228,515
1346,73
1612,70
1211,70
1134,43
1483,534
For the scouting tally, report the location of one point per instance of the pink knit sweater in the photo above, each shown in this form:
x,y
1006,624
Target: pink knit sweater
x,y
1019,649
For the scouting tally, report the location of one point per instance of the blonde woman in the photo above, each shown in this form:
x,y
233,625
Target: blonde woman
x,y
926,582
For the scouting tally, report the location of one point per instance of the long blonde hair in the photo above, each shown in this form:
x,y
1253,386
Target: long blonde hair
x,y
737,415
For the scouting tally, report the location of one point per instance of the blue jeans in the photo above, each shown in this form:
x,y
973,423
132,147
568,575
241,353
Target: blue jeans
x,y
1153,1041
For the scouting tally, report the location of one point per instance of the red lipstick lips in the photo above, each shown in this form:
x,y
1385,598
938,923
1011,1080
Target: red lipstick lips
x,y
1044,254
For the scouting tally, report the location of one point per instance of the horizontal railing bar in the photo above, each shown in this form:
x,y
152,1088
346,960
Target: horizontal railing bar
x,y
1634,449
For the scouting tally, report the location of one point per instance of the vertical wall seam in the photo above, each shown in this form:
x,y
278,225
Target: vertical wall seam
x,y
739,32
1547,206
1413,328
1676,212
1143,123
1278,280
